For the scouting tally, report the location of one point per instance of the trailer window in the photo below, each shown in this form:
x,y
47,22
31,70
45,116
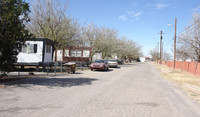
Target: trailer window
x,y
29,48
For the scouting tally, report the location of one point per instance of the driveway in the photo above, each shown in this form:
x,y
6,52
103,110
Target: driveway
x,y
134,90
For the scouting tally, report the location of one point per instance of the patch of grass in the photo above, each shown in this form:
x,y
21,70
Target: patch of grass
x,y
177,75
193,94
188,82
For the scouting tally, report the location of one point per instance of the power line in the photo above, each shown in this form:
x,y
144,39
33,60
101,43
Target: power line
x,y
187,28
179,33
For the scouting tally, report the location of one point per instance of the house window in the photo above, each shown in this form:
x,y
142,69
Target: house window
x,y
73,53
66,53
29,48
48,48
86,53
76,53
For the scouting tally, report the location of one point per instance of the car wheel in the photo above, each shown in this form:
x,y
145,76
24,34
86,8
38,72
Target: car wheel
x,y
107,69
104,68
91,69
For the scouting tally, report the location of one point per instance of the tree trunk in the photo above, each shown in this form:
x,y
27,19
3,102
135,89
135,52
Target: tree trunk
x,y
90,59
55,54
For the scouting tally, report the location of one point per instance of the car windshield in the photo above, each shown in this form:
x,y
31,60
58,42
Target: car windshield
x,y
99,61
112,60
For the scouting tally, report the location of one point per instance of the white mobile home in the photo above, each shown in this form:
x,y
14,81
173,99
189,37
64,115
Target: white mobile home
x,y
36,50
142,59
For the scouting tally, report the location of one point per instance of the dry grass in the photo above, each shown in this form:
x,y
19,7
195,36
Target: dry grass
x,y
188,82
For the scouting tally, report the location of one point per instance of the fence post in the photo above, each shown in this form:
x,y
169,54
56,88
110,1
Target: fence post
x,y
196,68
81,65
18,71
188,66
180,65
55,64
61,67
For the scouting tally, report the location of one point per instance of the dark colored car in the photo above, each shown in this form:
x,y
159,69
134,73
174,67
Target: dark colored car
x,y
120,62
99,65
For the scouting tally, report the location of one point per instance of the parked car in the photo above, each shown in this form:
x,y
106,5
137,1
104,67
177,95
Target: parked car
x,y
99,65
112,63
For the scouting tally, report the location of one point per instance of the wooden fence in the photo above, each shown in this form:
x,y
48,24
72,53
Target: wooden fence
x,y
191,67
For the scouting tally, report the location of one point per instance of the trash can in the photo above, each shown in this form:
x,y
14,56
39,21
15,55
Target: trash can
x,y
70,67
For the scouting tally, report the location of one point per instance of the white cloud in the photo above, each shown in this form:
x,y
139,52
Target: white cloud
x,y
130,12
134,14
196,9
161,6
131,16
138,14
123,17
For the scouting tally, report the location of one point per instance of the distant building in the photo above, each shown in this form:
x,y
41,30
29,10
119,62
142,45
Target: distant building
x,y
147,59
142,59
74,54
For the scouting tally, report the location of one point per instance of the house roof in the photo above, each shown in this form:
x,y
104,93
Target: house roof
x,y
78,47
45,40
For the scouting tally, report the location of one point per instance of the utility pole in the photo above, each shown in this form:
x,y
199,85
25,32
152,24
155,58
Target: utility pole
x,y
157,52
163,52
175,44
161,46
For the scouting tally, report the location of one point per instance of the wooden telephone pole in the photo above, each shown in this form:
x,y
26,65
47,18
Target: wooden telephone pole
x,y
161,46
157,52
175,44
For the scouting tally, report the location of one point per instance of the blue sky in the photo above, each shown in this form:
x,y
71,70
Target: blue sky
x,y
139,20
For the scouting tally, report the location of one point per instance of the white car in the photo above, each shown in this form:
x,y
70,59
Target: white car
x,y
112,63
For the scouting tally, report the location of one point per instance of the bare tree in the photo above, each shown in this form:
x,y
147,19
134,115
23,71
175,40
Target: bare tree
x,y
49,20
106,41
189,42
89,37
101,40
155,53
166,56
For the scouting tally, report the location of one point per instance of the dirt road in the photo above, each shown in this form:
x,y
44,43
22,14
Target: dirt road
x,y
134,90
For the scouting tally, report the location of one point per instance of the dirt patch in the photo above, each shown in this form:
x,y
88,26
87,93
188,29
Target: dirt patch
x,y
187,81
3,86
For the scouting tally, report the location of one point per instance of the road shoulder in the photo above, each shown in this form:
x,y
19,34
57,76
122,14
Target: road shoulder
x,y
186,81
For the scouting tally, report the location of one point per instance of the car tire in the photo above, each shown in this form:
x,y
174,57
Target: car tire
x,y
104,68
91,69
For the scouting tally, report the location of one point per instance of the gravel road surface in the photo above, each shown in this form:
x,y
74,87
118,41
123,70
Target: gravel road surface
x,y
134,90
